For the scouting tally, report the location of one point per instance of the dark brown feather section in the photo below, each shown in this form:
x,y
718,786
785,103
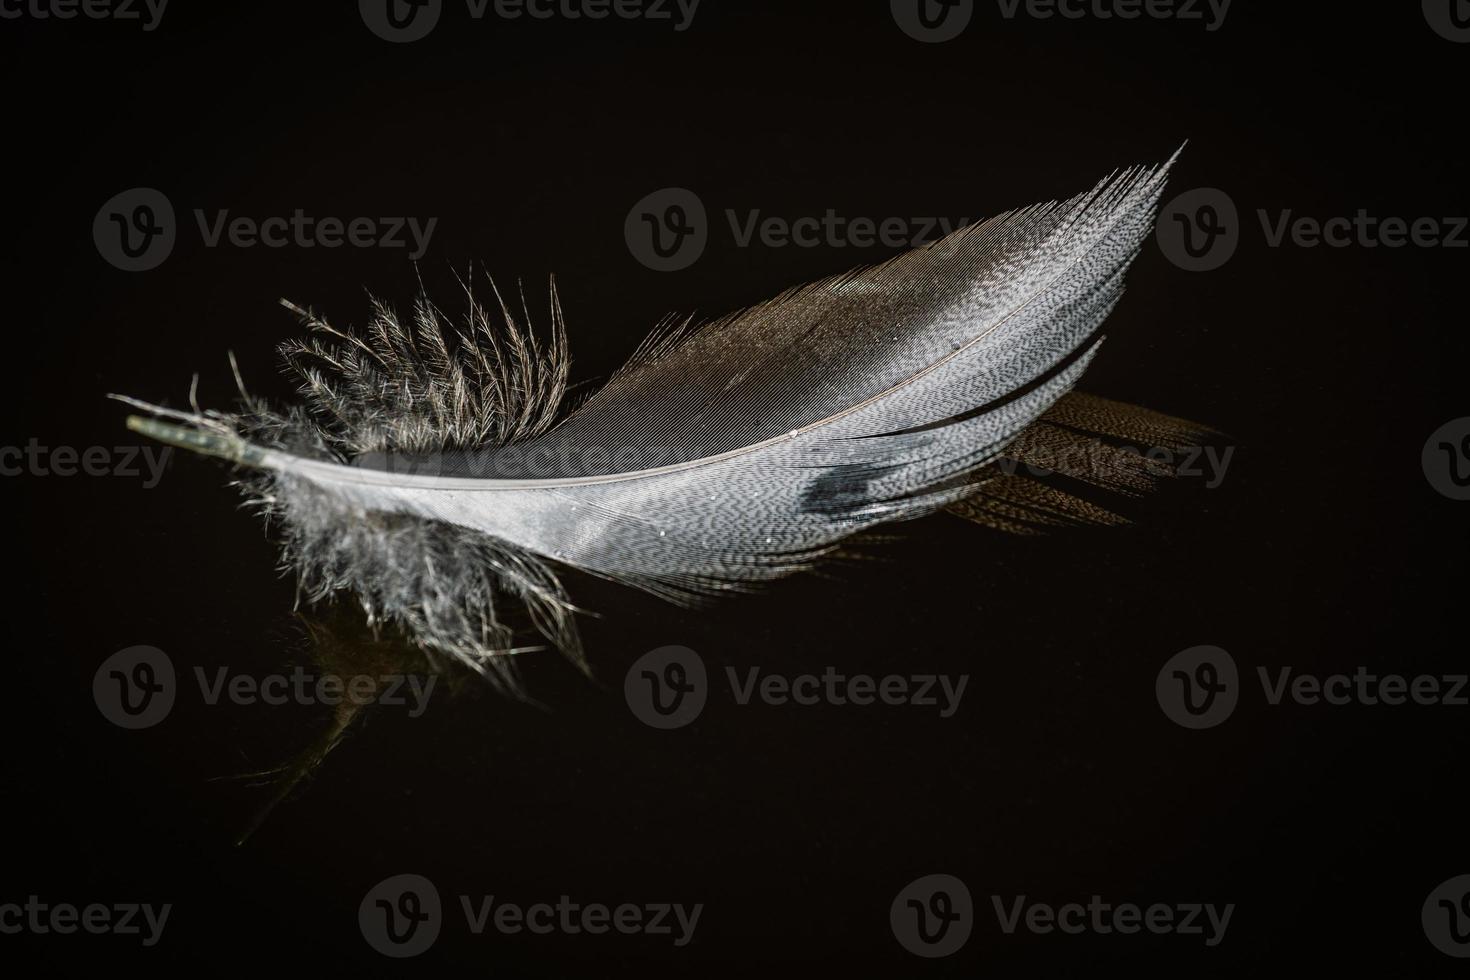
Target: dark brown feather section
x,y
1082,441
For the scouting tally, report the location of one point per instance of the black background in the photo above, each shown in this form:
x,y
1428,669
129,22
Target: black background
x,y
1324,548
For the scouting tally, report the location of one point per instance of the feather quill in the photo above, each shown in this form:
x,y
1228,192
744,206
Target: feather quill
x,y
434,472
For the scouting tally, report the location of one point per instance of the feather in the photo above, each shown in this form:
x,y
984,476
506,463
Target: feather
x,y
435,472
